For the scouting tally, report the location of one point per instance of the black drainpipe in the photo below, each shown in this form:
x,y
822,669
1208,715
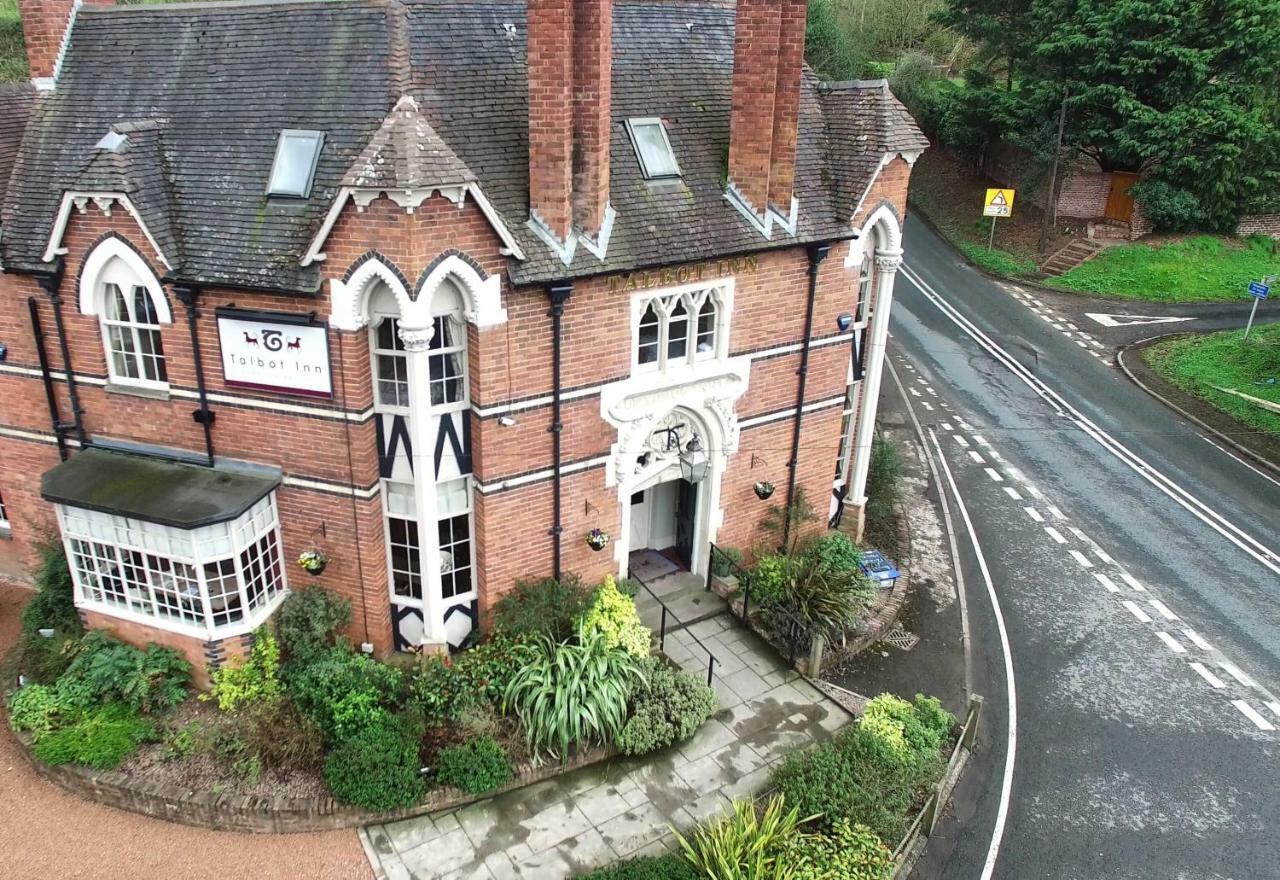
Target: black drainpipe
x,y
817,253
557,295
43,355
189,296
51,283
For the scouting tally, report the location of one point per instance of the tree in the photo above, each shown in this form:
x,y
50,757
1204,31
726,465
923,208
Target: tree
x,y
1185,92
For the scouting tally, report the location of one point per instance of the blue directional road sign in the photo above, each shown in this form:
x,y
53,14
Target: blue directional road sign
x,y
1258,289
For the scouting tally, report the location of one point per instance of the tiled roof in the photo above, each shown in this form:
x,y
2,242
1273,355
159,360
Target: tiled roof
x,y
223,81
16,101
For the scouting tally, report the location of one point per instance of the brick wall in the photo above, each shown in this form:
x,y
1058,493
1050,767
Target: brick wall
x,y
1260,224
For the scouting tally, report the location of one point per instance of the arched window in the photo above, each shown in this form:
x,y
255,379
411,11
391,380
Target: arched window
x,y
131,322
448,362
390,363
864,289
680,328
649,324
706,329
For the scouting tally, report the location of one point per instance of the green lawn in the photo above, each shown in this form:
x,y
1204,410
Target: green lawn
x,y
1206,268
1197,363
13,58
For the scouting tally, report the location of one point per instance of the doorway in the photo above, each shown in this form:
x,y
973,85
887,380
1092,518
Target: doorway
x,y
663,523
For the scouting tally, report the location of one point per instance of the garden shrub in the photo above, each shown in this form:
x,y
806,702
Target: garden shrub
x,y
40,710
884,490
148,681
101,739
613,614
724,560
45,660
476,766
309,622
666,708
53,606
568,693
489,666
547,607
836,551
747,844
769,576
667,867
183,742
441,690
1169,207
342,691
922,727
855,776
377,766
846,852
822,598
254,679
267,734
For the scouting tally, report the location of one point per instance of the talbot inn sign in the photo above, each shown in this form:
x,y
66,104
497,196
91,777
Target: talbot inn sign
x,y
269,351
682,274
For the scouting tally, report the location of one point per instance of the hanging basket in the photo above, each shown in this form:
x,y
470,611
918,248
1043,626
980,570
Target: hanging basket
x,y
764,489
313,562
597,540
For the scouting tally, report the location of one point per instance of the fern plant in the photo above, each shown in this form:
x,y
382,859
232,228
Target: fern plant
x,y
570,693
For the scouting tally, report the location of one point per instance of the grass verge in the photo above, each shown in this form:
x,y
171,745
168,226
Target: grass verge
x,y
1197,363
1204,268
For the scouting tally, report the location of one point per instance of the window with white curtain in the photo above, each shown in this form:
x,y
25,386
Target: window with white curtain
x,y
448,361
214,581
680,328
131,335
453,514
390,364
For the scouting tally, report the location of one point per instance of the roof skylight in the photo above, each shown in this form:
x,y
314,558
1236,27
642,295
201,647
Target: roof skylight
x,y
653,148
295,164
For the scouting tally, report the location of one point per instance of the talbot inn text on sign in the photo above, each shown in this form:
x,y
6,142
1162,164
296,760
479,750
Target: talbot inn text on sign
x,y
270,351
682,274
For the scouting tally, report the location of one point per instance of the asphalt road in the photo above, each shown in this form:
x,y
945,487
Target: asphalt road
x,y
1133,567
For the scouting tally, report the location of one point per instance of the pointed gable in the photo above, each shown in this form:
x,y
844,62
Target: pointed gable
x,y
406,153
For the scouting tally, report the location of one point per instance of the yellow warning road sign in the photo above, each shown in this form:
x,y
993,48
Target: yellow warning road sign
x,y
999,203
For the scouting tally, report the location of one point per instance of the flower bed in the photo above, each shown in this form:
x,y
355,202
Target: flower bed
x,y
306,733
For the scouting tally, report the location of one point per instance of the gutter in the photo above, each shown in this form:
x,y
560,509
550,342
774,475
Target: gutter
x,y
47,377
557,295
817,253
50,283
189,296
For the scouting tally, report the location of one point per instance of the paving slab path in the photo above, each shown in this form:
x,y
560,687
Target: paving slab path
x,y
567,826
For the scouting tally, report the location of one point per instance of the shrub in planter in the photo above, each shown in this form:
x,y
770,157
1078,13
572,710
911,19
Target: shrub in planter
x,y
613,614
489,666
441,691
824,598
836,551
846,852
342,691
101,739
668,867
921,728
309,623
268,734
254,679
150,680
769,576
566,694
40,710
546,607
724,559
667,708
53,606
747,844
475,767
377,766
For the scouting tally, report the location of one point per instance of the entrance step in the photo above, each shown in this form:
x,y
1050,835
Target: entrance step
x,y
687,599
1066,259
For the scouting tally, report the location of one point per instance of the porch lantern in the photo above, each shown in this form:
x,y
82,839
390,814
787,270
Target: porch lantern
x,y
694,463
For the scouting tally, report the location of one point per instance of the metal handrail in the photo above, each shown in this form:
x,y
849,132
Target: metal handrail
x,y
662,628
744,580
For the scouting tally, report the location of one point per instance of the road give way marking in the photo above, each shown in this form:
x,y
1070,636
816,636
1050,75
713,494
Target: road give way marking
x,y
1185,499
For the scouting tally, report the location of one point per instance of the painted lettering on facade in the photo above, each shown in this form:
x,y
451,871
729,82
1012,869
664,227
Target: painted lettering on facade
x,y
673,275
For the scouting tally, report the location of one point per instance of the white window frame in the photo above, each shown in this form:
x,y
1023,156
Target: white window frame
x,y
114,264
5,525
632,125
316,138
460,349
193,549
469,513
376,352
134,327
693,296
862,297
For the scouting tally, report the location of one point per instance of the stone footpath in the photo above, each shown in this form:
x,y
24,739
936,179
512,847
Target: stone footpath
x,y
626,807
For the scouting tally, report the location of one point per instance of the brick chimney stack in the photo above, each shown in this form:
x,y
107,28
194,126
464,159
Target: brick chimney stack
x,y
45,25
570,58
768,56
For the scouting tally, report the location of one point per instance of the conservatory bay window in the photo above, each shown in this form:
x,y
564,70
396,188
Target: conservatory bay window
x,y
680,328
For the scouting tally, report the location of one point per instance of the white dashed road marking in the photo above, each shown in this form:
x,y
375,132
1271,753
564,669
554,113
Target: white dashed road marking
x,y
1129,579
1196,639
1237,673
1253,715
994,475
1274,707
1012,493
1163,609
1213,680
1056,513
1104,556
1137,612
1034,514
1055,534
976,457
1080,558
1173,643
963,442
1106,582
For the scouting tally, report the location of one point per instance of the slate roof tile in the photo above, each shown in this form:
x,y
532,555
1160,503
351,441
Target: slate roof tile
x,y
16,103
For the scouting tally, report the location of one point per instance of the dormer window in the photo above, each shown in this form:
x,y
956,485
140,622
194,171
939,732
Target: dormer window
x,y
653,148
295,167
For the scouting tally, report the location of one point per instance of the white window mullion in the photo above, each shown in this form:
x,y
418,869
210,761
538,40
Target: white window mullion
x,y
203,583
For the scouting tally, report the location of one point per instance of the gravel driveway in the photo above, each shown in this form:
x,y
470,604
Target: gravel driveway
x,y
45,832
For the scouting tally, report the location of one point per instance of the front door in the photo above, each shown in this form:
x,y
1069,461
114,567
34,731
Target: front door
x,y
1120,200
686,516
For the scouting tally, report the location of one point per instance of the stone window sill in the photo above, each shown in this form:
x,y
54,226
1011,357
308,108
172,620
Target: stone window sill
x,y
138,391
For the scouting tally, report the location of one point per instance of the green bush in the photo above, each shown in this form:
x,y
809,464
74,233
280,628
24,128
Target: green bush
x,y
441,690
40,710
489,667
822,598
836,551
53,606
45,660
342,691
668,867
666,708
613,614
147,681
546,607
254,679
475,767
884,491
567,693
769,576
725,559
847,852
377,767
267,734
856,776
747,844
310,622
922,727
101,739
183,742
1169,207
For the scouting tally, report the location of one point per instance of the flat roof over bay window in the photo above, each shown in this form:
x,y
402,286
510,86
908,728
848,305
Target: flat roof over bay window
x,y
184,548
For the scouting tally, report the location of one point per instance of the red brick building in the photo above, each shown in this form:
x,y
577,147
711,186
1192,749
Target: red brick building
x,y
434,289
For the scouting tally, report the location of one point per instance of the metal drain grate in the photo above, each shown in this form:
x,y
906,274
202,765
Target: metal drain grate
x,y
900,638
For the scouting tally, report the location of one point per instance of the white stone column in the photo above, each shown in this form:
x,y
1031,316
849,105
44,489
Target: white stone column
x,y
417,344
887,263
